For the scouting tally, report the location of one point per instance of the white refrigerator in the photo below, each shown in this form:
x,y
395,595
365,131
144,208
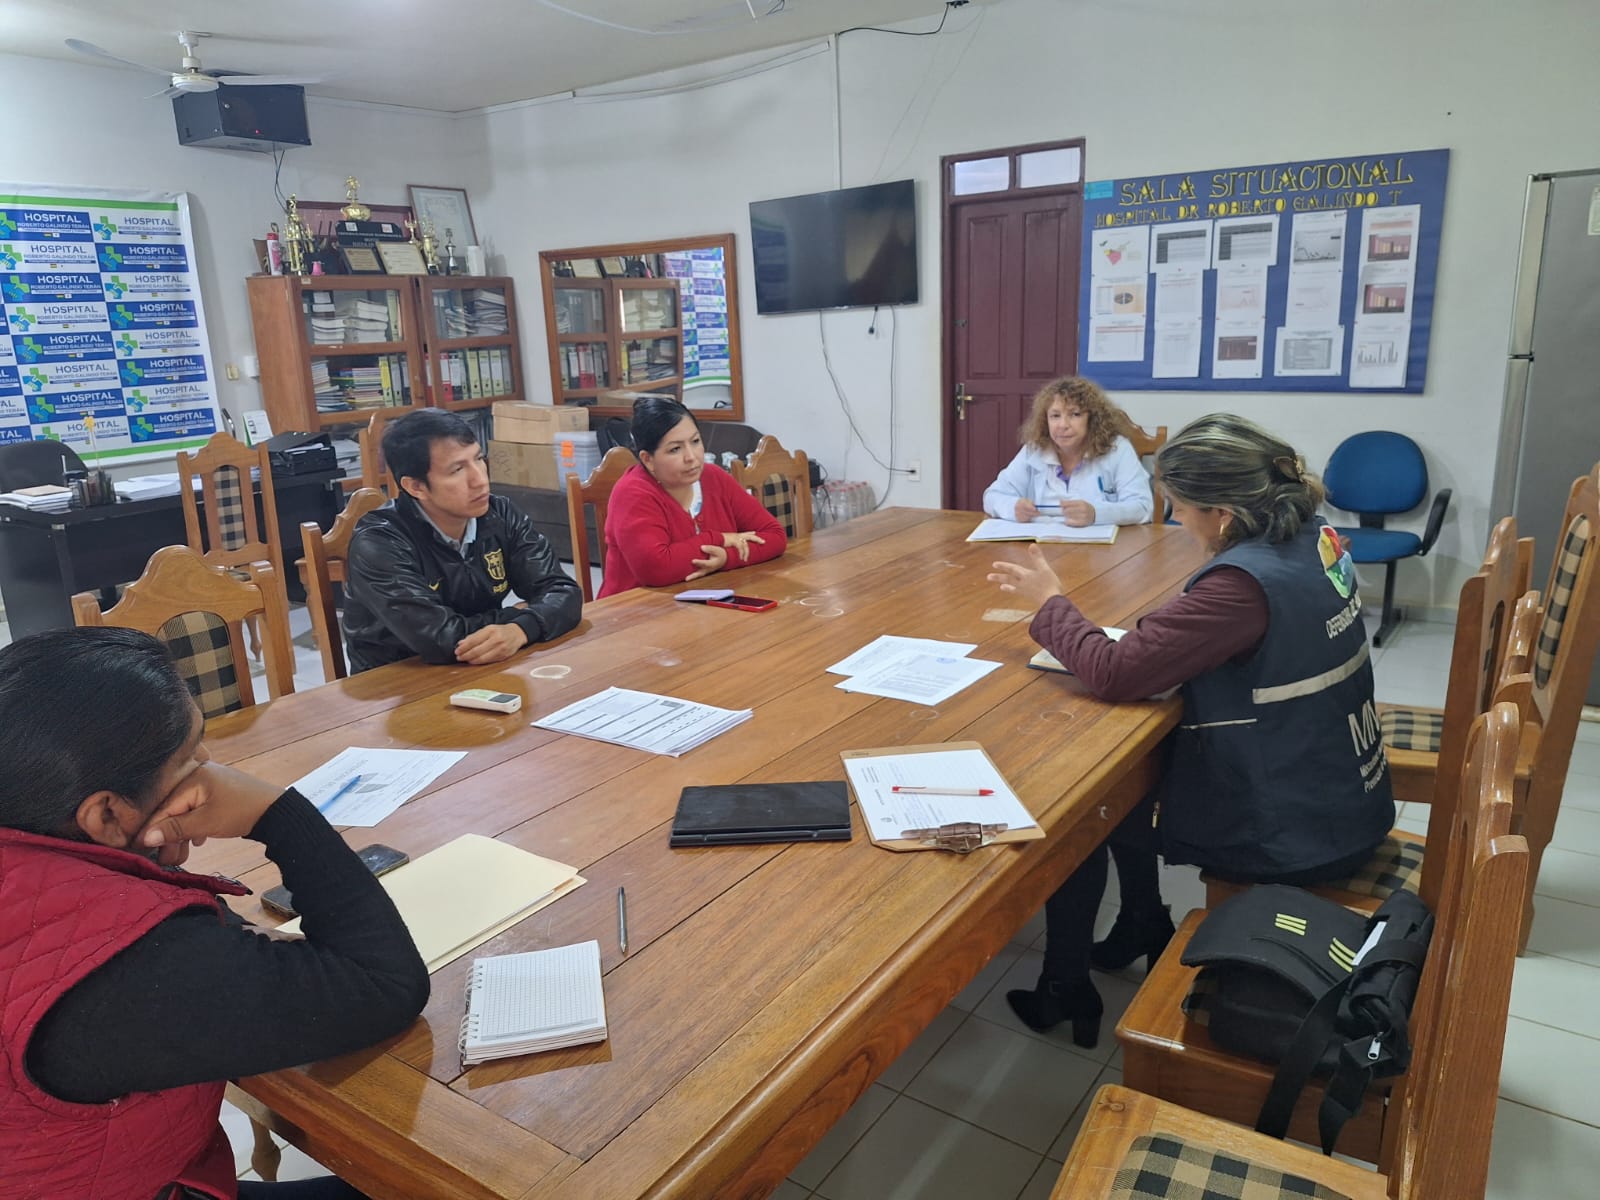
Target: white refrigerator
x,y
1550,426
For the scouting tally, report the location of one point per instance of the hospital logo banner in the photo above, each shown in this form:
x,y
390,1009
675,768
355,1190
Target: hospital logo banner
x,y
102,334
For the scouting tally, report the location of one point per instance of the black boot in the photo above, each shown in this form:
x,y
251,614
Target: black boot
x,y
1131,937
1052,1002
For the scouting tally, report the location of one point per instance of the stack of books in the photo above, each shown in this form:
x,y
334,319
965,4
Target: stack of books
x,y
327,393
45,497
327,327
364,320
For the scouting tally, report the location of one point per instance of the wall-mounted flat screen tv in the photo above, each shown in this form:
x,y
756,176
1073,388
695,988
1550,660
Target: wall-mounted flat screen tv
x,y
852,248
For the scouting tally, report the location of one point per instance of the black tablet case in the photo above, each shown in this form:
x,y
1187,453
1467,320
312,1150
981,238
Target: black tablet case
x,y
741,814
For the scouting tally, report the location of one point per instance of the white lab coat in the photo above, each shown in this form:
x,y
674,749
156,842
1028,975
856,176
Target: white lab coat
x,y
1115,483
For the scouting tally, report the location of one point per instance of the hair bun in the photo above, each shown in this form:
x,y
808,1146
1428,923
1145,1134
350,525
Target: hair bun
x,y
1290,468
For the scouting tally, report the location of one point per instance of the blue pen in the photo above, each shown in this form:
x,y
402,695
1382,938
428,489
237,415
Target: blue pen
x,y
347,786
1100,482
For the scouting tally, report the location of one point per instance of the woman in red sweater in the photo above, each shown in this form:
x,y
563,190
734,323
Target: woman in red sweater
x,y
676,517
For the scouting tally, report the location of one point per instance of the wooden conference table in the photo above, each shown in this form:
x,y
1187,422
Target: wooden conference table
x,y
765,986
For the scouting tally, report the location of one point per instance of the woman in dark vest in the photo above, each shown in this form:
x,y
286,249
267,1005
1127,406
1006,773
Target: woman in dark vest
x,y
1272,777
128,993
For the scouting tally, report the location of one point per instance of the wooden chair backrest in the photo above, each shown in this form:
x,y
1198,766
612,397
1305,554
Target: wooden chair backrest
x,y
1445,1104
595,490
177,581
322,567
1145,445
374,471
768,459
1483,626
231,536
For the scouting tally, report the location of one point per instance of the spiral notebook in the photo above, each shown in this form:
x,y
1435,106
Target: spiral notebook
x,y
525,1003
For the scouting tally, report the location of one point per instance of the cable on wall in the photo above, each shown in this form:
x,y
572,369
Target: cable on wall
x,y
686,27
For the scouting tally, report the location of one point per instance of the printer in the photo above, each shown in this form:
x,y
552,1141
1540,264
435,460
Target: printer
x,y
301,453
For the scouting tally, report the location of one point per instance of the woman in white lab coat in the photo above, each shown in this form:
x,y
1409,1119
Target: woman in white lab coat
x,y
1076,463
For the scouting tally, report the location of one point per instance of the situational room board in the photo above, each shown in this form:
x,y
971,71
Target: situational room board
x,y
1314,276
101,318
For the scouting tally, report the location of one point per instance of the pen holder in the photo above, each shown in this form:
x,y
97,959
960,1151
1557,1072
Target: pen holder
x,y
99,488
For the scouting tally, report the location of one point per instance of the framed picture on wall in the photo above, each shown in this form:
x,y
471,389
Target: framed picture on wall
x,y
448,209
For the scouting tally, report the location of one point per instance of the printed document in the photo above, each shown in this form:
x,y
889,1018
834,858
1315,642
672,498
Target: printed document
x,y
886,649
362,787
643,721
920,678
889,813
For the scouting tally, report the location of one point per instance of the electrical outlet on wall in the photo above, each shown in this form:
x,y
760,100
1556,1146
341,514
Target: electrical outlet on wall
x,y
914,471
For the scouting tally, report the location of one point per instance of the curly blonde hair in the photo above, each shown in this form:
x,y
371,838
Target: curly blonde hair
x,y
1106,421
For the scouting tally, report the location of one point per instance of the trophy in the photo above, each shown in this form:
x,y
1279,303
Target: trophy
x,y
428,242
298,246
451,265
353,209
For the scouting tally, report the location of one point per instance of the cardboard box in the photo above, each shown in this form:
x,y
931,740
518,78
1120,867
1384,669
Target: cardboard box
x,y
516,421
524,464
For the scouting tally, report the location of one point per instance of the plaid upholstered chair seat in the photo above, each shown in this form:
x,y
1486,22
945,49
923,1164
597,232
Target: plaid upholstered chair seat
x,y
1164,1166
778,499
200,644
1419,729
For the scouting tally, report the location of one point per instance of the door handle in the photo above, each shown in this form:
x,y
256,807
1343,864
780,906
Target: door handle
x,y
961,401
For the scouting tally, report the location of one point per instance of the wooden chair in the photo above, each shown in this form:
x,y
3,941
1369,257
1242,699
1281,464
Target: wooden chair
x,y
1548,672
1443,1118
198,609
1426,745
1167,1055
781,481
1427,748
595,490
1145,445
374,471
322,567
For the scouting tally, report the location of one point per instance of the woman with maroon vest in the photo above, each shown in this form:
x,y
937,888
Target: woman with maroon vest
x,y
128,992
1264,783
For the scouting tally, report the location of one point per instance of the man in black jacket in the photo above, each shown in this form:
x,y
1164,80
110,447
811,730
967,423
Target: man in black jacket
x,y
428,573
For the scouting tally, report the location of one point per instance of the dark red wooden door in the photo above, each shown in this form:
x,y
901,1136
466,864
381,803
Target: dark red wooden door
x,y
1013,325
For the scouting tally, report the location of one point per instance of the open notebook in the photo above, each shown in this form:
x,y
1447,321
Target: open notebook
x,y
1045,661
541,1000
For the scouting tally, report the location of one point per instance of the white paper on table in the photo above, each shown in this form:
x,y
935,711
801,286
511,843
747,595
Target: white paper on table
x,y
388,779
920,678
884,650
643,721
889,814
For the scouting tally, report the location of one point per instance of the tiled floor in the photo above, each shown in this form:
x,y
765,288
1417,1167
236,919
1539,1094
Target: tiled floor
x,y
980,1108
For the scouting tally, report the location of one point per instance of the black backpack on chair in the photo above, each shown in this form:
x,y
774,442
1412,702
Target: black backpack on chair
x,y
1284,979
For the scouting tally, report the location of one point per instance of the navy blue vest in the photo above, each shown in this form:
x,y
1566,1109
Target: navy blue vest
x,y
1278,765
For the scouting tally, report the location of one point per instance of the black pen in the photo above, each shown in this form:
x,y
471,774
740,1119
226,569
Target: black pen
x,y
622,920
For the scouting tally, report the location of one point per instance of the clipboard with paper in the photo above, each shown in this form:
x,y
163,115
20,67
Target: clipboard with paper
x,y
945,809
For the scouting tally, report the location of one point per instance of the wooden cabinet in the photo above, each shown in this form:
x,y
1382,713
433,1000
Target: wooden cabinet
x,y
334,349
645,317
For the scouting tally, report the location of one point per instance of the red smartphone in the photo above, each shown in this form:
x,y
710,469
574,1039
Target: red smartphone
x,y
743,603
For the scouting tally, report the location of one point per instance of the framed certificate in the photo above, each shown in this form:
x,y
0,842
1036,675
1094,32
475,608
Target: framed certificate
x,y
449,211
401,258
360,260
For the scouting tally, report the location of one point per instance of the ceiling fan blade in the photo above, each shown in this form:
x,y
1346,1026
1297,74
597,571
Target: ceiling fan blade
x,y
265,80
94,51
164,93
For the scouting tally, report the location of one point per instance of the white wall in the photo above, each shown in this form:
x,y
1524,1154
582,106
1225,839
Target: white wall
x,y
1155,86
91,126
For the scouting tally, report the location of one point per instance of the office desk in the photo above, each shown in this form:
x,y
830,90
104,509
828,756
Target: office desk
x,y
47,558
765,986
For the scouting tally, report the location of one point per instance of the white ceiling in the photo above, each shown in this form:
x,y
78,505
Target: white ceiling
x,y
443,56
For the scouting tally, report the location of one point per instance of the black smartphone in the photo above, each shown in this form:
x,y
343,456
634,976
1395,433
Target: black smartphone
x,y
743,603
379,859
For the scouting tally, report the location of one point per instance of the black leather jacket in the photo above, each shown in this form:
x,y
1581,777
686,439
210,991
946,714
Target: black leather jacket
x,y
409,592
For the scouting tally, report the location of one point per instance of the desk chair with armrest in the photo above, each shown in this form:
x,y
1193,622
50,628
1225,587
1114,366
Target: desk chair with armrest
x,y
30,464
1441,1126
323,567
1374,475
1168,1055
781,481
198,609
595,490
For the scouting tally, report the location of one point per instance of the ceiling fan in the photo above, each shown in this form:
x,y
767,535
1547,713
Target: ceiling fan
x,y
191,77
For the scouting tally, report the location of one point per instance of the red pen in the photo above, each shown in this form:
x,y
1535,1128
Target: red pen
x,y
942,791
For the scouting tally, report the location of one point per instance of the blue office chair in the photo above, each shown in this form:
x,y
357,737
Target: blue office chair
x,y
1375,475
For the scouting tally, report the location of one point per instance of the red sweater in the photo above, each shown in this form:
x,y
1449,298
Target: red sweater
x,y
651,541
